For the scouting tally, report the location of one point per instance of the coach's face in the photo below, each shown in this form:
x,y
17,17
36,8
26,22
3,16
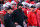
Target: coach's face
x,y
11,10
20,6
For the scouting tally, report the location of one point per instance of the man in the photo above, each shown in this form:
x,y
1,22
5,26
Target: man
x,y
18,16
32,21
7,20
38,16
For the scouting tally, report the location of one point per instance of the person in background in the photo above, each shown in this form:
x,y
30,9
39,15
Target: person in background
x,y
32,21
7,20
14,5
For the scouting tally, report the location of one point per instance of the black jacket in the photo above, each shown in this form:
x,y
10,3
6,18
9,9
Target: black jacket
x,y
7,21
18,16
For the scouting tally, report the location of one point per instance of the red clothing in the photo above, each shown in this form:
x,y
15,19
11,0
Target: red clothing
x,y
27,1
32,2
32,19
38,17
36,10
3,13
9,0
26,11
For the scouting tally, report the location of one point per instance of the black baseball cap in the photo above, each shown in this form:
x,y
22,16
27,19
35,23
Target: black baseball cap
x,y
19,5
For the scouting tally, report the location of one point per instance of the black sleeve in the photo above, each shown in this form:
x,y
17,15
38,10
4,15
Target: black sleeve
x,y
12,16
6,19
26,18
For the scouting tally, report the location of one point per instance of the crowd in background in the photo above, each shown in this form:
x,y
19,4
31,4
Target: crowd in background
x,y
18,9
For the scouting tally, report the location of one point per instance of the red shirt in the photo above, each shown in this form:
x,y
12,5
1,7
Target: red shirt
x,y
32,19
38,17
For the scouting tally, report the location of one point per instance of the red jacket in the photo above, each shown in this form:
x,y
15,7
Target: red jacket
x,y
32,19
38,17
26,11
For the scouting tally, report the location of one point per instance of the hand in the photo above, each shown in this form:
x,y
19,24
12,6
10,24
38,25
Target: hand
x,y
16,23
24,22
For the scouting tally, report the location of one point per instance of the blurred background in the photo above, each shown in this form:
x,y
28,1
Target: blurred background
x,y
27,7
